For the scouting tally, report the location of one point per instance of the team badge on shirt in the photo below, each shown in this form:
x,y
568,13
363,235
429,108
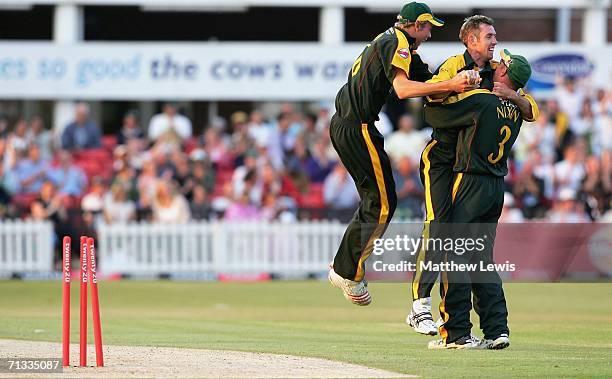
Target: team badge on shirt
x,y
404,53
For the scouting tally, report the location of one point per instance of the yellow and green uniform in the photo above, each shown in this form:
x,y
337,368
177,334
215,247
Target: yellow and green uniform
x,y
488,127
438,159
361,147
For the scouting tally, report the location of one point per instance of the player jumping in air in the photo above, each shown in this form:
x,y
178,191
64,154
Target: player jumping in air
x,y
389,62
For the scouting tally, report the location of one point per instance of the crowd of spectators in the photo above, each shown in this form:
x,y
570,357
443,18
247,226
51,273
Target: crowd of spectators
x,y
285,168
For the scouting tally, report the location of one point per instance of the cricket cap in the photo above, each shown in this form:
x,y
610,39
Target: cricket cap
x,y
519,69
413,12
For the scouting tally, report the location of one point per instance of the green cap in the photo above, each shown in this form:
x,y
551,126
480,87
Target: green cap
x,y
413,12
519,69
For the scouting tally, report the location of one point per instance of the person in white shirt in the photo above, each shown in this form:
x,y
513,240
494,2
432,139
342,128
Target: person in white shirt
x,y
566,209
570,171
169,207
510,214
169,124
405,142
570,98
339,190
384,124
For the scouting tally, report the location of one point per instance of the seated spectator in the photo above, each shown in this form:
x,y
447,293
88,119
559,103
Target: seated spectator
x,y
93,201
274,208
529,190
30,172
282,140
339,191
321,164
5,197
563,134
147,184
309,130
82,133
169,126
384,124
510,214
405,142
49,207
258,129
538,136
130,130
570,97
18,139
586,124
169,207
314,167
323,118
69,178
39,135
6,184
4,126
216,148
409,190
271,181
182,175
597,191
117,207
569,172
200,204
240,173
202,175
242,209
566,209
238,122
126,176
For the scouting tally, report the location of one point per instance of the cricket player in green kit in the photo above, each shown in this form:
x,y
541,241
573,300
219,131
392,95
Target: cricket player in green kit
x,y
489,126
389,62
436,170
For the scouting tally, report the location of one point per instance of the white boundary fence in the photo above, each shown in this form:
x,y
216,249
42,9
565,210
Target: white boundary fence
x,y
26,246
215,247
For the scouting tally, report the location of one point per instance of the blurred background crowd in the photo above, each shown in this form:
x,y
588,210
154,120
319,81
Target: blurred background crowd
x,y
255,167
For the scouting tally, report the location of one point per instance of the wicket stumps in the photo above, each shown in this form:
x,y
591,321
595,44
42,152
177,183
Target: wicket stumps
x,y
87,274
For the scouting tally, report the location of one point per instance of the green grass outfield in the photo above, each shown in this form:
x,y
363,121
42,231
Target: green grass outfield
x,y
558,330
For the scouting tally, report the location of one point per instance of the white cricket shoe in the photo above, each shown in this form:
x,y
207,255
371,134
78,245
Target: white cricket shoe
x,y
498,343
468,341
355,292
420,318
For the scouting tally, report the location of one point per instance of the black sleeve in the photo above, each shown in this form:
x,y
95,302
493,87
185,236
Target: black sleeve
x,y
419,70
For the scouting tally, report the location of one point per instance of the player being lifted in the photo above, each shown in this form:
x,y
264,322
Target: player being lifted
x,y
478,35
489,127
389,62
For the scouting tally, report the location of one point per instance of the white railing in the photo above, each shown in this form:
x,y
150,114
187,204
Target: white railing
x,y
216,247
26,246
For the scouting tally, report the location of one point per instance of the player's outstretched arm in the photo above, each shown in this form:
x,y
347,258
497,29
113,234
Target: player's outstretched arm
x,y
526,104
406,88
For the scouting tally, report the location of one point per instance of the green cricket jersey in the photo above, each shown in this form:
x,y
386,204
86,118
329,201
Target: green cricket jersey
x,y
488,127
371,78
447,70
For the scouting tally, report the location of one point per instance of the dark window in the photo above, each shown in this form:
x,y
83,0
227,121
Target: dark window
x,y
524,25
34,24
255,24
361,25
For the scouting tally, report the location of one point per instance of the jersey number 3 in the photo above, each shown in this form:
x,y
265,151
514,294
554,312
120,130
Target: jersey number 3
x,y
505,131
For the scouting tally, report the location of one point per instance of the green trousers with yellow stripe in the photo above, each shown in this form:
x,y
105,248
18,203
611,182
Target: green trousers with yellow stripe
x,y
477,205
361,150
436,173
